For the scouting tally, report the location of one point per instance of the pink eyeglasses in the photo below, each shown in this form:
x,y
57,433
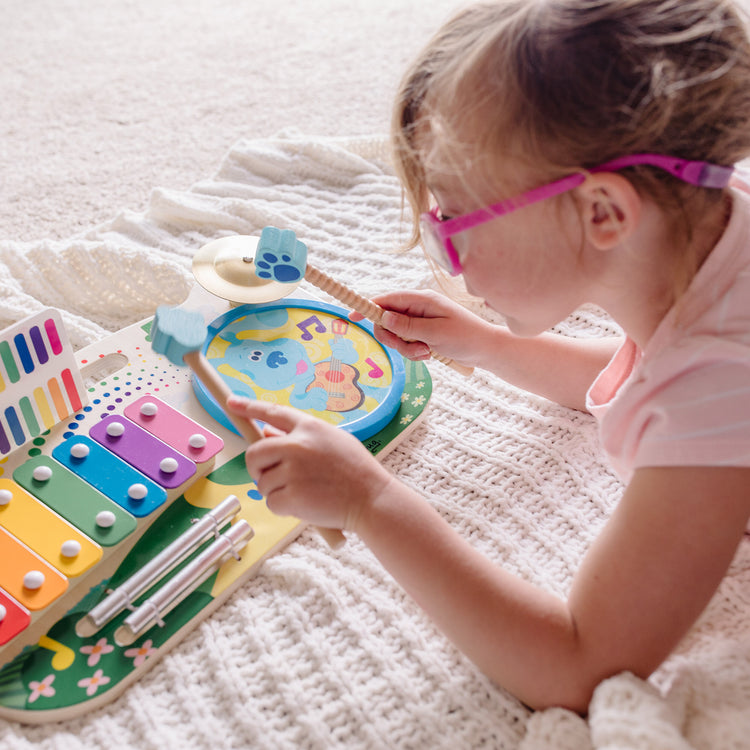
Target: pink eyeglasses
x,y
437,232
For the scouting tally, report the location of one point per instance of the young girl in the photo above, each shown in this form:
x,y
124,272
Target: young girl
x,y
563,152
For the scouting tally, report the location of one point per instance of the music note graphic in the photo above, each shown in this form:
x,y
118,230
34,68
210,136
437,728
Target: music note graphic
x,y
377,371
63,656
304,326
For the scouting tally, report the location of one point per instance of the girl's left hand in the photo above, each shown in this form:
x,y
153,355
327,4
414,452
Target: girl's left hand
x,y
309,469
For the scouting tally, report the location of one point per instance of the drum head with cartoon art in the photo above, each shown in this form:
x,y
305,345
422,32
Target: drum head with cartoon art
x,y
308,355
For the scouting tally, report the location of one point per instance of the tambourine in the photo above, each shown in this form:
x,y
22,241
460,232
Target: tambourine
x,y
303,353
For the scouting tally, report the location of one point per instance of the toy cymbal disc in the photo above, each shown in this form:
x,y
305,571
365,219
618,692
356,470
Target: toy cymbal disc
x,y
226,268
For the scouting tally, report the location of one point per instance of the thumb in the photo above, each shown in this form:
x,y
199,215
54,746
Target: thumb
x,y
401,325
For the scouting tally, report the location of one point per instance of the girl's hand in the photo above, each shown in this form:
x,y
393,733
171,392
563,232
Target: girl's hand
x,y
309,469
416,322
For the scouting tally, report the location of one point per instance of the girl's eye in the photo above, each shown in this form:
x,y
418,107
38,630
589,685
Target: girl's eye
x,y
443,217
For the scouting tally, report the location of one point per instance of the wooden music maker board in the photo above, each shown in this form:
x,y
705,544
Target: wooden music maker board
x,y
110,460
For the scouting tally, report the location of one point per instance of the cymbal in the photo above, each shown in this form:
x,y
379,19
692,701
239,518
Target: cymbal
x,y
226,268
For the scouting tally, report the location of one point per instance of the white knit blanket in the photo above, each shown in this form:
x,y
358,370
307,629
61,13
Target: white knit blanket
x,y
322,649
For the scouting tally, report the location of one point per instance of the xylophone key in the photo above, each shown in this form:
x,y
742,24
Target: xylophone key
x,y
110,475
143,451
14,618
76,501
45,532
174,428
28,578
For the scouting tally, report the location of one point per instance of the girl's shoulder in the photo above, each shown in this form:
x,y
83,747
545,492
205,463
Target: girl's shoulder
x,y
685,399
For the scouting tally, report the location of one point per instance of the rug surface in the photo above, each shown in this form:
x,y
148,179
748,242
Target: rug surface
x,y
324,649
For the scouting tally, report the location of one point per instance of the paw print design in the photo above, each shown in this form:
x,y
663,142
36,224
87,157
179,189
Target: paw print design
x,y
277,268
280,256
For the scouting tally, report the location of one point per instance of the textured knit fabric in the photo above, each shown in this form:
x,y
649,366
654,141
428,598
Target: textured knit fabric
x,y
685,399
323,649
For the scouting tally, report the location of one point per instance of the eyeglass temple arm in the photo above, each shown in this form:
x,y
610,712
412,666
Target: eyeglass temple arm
x,y
700,173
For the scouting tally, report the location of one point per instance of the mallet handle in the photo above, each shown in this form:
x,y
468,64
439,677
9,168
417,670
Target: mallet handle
x,y
365,307
247,428
221,392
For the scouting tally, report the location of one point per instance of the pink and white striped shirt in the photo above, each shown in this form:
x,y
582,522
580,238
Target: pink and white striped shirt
x,y
684,400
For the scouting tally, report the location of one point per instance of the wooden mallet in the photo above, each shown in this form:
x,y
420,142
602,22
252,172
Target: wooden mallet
x,y
281,257
179,335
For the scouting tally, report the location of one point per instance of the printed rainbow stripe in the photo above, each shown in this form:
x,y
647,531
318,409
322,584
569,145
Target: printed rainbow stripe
x,y
39,381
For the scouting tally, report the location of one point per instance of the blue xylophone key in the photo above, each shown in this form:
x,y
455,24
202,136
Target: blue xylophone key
x,y
119,481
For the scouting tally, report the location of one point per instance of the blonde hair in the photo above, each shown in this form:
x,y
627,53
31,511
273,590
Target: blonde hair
x,y
569,84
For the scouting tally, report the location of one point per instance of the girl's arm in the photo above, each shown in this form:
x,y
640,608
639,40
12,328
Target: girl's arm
x,y
556,367
643,583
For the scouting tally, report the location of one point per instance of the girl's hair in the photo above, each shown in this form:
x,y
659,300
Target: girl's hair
x,y
569,84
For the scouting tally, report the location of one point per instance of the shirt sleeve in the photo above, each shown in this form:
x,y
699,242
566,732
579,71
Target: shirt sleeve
x,y
700,415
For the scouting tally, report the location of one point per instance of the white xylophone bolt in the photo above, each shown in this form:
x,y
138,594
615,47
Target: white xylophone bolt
x,y
70,548
105,519
33,580
79,450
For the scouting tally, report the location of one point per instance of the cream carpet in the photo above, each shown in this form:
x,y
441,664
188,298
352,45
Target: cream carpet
x,y
103,101
139,131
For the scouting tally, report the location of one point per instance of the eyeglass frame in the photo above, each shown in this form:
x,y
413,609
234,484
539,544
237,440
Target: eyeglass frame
x,y
437,232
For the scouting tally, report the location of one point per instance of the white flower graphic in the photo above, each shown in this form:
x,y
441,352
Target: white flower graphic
x,y
42,688
141,653
96,651
93,683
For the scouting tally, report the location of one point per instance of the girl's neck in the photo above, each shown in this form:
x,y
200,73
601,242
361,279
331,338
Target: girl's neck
x,y
662,271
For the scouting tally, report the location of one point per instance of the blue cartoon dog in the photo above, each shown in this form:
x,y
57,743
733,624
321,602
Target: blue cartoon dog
x,y
281,363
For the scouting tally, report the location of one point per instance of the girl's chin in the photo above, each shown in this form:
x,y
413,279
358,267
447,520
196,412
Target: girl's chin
x,y
492,307
519,327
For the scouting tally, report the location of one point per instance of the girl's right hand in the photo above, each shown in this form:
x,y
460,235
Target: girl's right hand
x,y
417,322
309,469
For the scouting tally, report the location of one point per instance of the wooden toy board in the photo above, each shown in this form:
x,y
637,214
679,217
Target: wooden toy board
x,y
48,671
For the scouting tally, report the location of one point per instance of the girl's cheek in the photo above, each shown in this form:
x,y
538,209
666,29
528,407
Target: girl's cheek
x,y
482,261
478,283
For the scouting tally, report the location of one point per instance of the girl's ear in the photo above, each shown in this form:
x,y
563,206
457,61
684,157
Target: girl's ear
x,y
611,209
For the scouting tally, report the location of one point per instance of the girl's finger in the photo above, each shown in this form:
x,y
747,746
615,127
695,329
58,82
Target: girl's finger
x,y
269,431
410,349
261,457
282,417
271,480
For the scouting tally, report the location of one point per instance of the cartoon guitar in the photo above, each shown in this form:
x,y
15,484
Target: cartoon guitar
x,y
338,379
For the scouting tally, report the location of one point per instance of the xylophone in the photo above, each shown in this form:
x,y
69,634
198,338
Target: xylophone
x,y
126,512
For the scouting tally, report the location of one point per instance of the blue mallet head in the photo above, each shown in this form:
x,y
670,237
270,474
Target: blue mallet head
x,y
176,332
280,256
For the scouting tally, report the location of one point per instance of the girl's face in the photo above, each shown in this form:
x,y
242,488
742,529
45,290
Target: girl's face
x,y
529,265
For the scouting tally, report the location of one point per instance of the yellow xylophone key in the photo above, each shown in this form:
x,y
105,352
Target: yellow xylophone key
x,y
45,532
